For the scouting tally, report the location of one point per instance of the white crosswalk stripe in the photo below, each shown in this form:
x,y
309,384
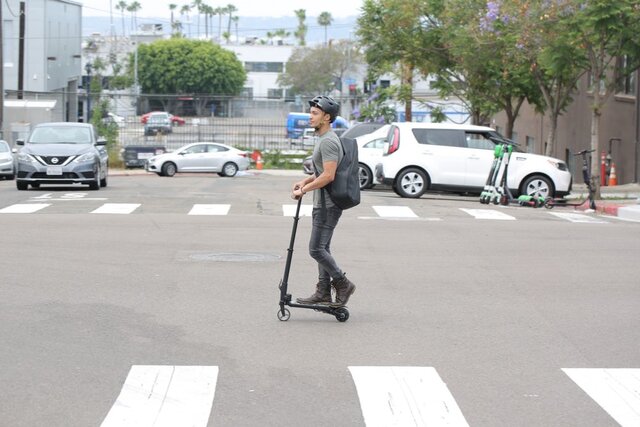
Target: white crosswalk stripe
x,y
164,396
394,212
405,396
117,208
573,217
209,209
488,214
617,391
24,208
290,210
157,395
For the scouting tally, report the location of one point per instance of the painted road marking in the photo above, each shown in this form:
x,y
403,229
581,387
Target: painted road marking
x,y
117,208
164,396
405,396
210,209
578,218
290,210
488,214
617,391
21,208
394,212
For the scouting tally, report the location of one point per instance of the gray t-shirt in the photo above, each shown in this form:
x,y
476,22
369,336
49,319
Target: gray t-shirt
x,y
328,148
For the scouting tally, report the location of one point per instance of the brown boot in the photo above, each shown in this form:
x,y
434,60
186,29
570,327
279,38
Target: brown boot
x,y
321,296
344,289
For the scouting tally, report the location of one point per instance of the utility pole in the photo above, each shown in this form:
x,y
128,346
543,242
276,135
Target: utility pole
x,y
21,53
636,176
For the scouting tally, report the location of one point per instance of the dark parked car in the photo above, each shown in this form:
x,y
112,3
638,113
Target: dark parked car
x,y
62,153
135,156
158,123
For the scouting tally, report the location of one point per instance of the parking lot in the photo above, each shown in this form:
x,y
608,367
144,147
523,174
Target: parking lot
x,y
491,307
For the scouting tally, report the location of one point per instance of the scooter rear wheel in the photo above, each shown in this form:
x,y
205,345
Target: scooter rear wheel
x,y
283,315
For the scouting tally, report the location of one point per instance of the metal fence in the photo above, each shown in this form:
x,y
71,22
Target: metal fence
x,y
245,133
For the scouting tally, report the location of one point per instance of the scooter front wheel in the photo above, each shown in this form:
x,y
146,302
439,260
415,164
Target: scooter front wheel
x,y
342,314
284,314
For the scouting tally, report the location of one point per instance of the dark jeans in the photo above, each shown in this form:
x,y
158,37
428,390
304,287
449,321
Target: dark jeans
x,y
320,242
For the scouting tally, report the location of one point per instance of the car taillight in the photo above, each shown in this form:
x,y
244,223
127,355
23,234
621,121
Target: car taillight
x,y
242,154
395,141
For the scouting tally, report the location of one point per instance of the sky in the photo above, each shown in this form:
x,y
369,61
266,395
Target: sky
x,y
260,8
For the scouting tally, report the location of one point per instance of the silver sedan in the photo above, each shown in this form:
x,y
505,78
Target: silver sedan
x,y
7,162
200,157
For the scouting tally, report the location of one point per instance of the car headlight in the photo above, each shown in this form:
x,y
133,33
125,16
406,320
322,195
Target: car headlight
x,y
558,164
25,158
87,157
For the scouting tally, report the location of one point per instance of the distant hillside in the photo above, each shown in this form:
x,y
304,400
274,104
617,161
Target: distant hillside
x,y
341,28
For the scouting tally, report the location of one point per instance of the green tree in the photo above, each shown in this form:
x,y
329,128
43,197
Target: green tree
x,y
183,66
172,7
556,60
301,30
389,31
317,70
324,20
607,31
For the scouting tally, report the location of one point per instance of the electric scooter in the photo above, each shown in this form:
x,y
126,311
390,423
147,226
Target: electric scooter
x,y
586,176
341,313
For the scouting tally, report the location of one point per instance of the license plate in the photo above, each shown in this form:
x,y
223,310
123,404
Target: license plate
x,y
54,170
143,156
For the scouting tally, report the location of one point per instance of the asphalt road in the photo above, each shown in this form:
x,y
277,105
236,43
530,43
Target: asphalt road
x,y
498,307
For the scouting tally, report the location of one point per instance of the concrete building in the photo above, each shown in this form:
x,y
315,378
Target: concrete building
x,y
620,119
51,62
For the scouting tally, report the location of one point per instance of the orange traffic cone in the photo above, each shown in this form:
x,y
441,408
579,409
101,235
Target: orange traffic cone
x,y
259,162
613,178
603,170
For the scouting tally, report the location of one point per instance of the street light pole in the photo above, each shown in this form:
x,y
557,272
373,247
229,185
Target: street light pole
x,y
88,68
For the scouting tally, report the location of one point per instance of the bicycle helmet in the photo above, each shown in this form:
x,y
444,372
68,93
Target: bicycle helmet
x,y
326,104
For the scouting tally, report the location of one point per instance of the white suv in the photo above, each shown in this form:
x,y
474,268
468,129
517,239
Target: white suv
x,y
448,157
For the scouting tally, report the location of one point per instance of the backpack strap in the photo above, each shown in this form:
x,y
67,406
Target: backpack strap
x,y
323,203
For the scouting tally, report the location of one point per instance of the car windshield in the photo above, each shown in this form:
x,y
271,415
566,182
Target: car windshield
x,y
158,119
4,147
60,135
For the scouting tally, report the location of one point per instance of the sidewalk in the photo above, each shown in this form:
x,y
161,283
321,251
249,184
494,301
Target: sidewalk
x,y
622,201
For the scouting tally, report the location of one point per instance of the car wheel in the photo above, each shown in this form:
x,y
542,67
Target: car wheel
x,y
10,177
537,186
365,176
103,181
169,169
411,183
21,185
230,169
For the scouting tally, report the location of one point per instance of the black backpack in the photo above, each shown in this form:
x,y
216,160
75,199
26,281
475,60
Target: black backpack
x,y
345,188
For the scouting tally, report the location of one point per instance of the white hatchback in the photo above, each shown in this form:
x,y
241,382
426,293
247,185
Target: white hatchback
x,y
447,157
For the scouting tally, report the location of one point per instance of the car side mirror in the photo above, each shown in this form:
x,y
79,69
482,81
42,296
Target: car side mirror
x,y
101,141
19,141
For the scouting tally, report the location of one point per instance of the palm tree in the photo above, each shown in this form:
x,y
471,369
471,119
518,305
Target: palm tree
x,y
235,21
230,10
122,6
220,11
208,12
325,20
301,31
197,5
184,10
134,7
172,7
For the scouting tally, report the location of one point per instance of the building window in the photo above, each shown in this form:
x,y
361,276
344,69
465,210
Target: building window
x,y
626,84
274,93
263,67
247,92
531,144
